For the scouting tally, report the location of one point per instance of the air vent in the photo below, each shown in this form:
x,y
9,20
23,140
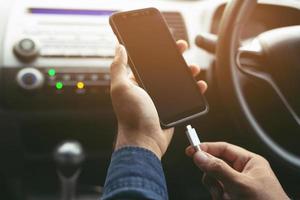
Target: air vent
x,y
177,25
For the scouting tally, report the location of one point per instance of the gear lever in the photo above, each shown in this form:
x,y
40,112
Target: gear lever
x,y
68,157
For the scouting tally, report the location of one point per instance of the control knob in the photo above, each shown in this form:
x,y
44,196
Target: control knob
x,y
30,79
26,50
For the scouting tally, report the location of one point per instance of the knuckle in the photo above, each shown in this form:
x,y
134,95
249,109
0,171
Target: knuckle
x,y
263,160
216,166
241,181
224,144
115,63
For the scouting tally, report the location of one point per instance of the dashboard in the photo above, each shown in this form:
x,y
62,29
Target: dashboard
x,y
56,55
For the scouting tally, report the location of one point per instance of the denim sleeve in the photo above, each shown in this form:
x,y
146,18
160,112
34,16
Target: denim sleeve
x,y
135,173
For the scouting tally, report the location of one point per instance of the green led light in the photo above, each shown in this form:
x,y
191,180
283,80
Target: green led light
x,y
59,85
51,72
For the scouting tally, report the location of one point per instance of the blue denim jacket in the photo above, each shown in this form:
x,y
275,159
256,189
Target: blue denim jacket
x,y
135,173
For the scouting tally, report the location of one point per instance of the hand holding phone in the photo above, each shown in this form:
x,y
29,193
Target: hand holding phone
x,y
138,121
158,65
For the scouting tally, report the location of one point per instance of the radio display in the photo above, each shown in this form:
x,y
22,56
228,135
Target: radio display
x,y
51,11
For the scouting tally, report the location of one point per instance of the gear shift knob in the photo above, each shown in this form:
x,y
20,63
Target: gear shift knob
x,y
68,157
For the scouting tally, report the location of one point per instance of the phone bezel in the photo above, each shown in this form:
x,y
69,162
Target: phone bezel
x,y
197,111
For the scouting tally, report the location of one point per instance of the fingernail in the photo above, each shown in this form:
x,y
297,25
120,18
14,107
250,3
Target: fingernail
x,y
200,157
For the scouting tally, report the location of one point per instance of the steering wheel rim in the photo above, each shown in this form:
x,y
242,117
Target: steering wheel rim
x,y
235,15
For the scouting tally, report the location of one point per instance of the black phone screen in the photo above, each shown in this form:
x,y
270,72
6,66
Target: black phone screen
x,y
160,67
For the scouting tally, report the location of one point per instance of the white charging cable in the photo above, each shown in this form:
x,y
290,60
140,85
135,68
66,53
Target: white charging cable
x,y
193,137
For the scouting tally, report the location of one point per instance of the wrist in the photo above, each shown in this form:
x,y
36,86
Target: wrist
x,y
138,140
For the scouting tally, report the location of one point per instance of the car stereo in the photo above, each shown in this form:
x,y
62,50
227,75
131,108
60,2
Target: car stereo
x,y
55,57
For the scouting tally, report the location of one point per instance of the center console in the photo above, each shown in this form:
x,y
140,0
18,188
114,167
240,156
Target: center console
x,y
56,57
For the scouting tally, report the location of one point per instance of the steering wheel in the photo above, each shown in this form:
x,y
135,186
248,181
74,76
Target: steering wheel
x,y
277,49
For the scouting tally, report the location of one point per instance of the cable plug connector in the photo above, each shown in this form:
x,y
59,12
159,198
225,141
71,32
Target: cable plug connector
x,y
193,137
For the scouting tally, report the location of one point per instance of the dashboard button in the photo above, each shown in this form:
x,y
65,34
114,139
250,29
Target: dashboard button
x,y
30,79
26,50
66,77
94,77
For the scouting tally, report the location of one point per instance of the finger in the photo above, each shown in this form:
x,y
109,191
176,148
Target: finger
x,y
235,155
132,78
195,69
216,168
213,185
202,86
189,151
118,68
182,45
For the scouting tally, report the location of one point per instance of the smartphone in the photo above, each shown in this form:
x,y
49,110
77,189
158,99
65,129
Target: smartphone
x,y
158,65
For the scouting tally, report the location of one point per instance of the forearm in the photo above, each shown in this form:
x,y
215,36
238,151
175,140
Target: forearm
x,y
135,173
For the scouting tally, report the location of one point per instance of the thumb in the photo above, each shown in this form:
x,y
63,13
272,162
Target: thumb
x,y
118,69
215,167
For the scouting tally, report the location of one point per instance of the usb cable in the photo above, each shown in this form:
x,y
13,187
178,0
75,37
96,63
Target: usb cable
x,y
193,137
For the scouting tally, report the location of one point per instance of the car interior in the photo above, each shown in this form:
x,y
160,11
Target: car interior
x,y
55,60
